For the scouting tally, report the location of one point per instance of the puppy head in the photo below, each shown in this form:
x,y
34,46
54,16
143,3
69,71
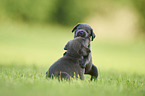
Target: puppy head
x,y
78,47
83,30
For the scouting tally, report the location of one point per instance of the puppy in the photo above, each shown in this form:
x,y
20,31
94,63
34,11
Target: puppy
x,y
69,64
84,30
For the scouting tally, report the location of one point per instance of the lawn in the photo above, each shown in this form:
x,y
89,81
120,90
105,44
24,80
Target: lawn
x,y
27,51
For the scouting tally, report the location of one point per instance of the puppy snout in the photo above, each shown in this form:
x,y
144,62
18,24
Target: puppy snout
x,y
81,34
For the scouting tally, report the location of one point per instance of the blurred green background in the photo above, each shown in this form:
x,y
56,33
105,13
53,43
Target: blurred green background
x,y
33,34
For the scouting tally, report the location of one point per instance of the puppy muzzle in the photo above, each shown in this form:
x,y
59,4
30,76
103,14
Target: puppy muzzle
x,y
81,33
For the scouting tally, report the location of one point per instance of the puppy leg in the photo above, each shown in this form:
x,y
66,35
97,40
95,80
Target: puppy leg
x,y
82,77
93,72
63,76
82,62
82,74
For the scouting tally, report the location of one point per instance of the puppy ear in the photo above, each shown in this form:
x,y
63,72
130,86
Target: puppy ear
x,y
75,27
92,34
66,46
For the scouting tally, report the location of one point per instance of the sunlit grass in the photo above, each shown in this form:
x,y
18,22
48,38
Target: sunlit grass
x,y
27,80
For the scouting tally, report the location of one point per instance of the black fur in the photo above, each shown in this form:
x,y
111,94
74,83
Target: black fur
x,y
69,64
84,30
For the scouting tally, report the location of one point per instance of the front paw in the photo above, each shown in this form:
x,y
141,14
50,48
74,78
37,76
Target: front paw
x,y
83,65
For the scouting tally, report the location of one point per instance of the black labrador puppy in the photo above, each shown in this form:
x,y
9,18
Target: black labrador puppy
x,y
69,64
84,30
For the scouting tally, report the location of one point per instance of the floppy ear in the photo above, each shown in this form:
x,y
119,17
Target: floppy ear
x,y
66,46
92,34
75,27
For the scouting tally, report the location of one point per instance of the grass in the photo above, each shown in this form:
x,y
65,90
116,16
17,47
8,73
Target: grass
x,y
30,80
27,51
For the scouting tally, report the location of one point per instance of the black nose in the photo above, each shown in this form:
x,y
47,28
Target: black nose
x,y
81,33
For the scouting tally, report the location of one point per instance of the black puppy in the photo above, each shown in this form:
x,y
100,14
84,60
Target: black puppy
x,y
84,30
66,66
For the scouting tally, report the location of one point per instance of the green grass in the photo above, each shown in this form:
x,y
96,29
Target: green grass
x,y
27,51
30,80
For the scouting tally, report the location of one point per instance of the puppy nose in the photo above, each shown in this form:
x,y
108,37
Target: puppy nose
x,y
82,34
